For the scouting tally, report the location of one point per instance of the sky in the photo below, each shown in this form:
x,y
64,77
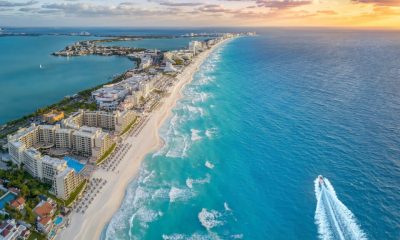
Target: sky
x,y
201,13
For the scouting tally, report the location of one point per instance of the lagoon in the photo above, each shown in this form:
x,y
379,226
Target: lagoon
x,y
25,86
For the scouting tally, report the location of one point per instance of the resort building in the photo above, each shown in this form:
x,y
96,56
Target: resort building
x,y
169,68
11,230
66,182
63,138
90,142
23,139
18,204
32,162
47,133
145,61
44,212
23,149
114,121
53,116
195,47
110,96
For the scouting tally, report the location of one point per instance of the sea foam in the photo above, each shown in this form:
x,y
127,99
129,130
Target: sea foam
x,y
333,218
210,218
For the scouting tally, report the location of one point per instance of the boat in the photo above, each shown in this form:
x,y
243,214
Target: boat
x,y
321,180
40,66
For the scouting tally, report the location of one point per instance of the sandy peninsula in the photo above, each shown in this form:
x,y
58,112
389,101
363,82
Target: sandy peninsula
x,y
90,224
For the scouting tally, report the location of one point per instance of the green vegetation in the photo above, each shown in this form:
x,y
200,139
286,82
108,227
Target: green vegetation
x,y
178,62
2,193
75,194
31,188
70,108
106,154
36,236
158,91
129,126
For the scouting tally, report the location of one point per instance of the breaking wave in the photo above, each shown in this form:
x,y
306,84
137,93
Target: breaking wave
x,y
195,135
179,194
210,218
209,165
146,197
190,181
333,218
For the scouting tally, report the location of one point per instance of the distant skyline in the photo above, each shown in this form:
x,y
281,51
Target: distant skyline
x,y
197,13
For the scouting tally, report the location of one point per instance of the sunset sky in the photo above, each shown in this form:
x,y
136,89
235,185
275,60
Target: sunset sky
x,y
134,13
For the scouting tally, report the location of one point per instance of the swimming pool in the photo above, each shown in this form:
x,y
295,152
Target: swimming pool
x,y
75,164
8,197
58,220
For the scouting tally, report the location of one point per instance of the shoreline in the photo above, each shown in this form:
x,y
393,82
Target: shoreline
x,y
91,224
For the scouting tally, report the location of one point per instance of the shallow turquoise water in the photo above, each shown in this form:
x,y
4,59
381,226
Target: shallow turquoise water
x,y
25,87
262,119
75,164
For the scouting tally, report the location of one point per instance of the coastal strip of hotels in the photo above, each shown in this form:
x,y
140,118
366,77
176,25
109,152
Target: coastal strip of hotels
x,y
80,163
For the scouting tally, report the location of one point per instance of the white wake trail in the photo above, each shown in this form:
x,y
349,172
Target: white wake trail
x,y
333,218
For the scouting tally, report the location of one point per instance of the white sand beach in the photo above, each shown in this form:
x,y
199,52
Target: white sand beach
x,y
90,224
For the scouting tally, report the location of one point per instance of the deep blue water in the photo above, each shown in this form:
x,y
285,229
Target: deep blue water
x,y
262,119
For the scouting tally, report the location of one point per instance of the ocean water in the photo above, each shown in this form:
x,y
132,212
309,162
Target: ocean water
x,y
163,44
25,87
263,117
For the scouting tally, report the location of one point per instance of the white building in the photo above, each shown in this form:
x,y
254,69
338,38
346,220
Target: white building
x,y
90,142
66,182
169,68
11,230
195,47
111,96
145,61
23,149
113,121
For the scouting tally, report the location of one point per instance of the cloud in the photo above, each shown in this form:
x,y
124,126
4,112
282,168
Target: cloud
x,y
380,2
89,9
214,8
180,4
285,4
29,9
16,4
327,12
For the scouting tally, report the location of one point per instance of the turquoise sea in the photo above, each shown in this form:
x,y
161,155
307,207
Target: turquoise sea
x,y
263,117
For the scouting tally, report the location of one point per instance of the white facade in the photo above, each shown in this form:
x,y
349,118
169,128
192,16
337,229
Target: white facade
x,y
169,67
66,182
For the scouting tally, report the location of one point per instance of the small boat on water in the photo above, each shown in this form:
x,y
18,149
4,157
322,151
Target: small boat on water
x,y
40,66
321,180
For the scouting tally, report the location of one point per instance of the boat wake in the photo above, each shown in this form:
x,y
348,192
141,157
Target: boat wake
x,y
333,218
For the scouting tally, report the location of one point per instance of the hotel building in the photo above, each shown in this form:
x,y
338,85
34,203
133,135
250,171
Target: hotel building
x,y
64,180
23,149
114,121
90,142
